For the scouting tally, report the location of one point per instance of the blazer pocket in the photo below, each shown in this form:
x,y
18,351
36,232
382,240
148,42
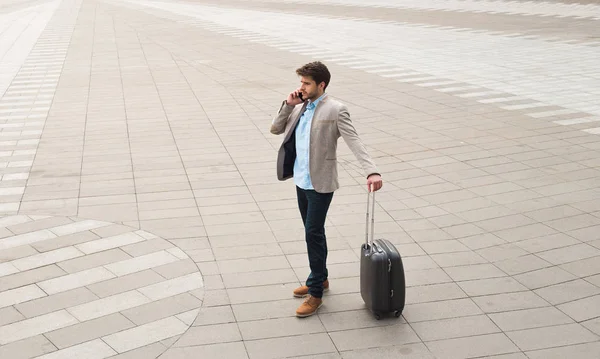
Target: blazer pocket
x,y
324,122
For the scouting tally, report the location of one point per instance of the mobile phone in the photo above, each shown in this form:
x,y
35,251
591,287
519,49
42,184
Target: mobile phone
x,y
300,95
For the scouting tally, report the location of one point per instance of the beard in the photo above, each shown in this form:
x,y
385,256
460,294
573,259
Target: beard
x,y
312,95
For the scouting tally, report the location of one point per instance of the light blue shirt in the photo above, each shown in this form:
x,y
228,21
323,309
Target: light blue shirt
x,y
301,165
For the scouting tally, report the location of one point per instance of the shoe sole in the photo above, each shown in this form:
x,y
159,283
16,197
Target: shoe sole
x,y
310,314
304,295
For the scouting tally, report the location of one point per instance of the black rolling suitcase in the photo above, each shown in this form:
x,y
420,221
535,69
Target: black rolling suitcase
x,y
382,284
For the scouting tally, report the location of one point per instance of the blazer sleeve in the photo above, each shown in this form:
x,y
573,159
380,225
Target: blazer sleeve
x,y
350,136
280,121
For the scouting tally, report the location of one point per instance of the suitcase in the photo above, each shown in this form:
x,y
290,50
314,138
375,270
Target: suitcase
x,y
382,284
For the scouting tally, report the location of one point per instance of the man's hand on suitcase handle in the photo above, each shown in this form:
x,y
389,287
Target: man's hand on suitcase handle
x,y
374,182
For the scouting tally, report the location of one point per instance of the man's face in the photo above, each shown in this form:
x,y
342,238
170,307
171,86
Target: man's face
x,y
310,89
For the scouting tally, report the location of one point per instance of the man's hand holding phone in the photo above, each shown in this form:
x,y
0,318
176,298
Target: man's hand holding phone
x,y
295,98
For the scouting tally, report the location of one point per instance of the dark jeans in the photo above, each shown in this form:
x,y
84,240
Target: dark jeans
x,y
313,208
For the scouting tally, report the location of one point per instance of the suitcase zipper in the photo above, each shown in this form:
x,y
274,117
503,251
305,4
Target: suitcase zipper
x,y
390,265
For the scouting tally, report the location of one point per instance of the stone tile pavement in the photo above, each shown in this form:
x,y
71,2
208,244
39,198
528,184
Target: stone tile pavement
x,y
141,216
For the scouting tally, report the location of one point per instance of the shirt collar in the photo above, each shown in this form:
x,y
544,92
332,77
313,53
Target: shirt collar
x,y
314,104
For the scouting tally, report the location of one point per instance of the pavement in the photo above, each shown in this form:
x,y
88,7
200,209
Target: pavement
x,y
141,216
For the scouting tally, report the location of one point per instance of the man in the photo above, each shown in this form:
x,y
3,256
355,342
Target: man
x,y
312,122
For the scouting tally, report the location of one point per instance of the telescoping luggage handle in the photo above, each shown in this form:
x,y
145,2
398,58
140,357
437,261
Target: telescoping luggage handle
x,y
372,216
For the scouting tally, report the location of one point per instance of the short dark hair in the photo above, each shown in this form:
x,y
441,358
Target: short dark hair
x,y
317,71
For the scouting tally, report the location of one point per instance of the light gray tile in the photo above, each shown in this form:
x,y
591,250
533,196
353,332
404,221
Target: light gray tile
x,y
287,346
555,336
162,308
593,325
11,254
573,223
474,346
522,264
96,349
374,337
569,291
544,277
262,293
569,254
517,355
472,272
34,326
103,244
210,334
234,350
215,315
536,230
26,238
27,348
108,305
455,328
145,334
177,269
579,351
509,301
10,315
173,286
491,286
55,302
39,224
151,351
444,246
281,327
440,310
501,252
407,351
418,263
93,260
146,247
43,259
351,319
582,309
87,331
426,276
78,227
458,259
212,298
64,241
434,292
334,355
141,263
75,280
20,295
253,264
125,283
274,276
583,268
111,230
29,277
547,242
529,318
273,309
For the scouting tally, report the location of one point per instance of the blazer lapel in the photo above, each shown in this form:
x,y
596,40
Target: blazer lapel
x,y
294,123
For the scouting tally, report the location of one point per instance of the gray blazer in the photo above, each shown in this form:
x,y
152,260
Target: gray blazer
x,y
330,121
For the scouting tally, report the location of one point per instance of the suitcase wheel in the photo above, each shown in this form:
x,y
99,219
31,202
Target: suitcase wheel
x,y
397,313
377,315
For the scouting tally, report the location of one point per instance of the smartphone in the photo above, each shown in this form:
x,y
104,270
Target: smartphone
x,y
300,95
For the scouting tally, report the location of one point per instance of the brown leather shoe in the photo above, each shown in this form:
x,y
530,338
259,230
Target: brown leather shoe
x,y
302,291
309,307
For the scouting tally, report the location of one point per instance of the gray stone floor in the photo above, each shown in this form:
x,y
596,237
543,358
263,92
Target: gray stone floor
x,y
141,216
